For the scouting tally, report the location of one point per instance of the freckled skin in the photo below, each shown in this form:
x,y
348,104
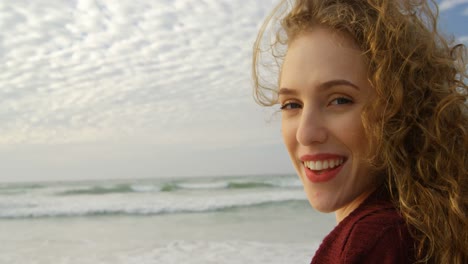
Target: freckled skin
x,y
327,120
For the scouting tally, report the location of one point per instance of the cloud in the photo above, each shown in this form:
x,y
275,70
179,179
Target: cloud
x,y
445,5
165,71
464,39
449,4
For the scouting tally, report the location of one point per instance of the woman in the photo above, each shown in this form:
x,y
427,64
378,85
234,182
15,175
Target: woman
x,y
374,117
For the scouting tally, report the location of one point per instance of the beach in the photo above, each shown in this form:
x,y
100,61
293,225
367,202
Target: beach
x,y
255,219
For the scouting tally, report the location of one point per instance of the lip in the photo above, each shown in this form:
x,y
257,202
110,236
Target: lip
x,y
324,176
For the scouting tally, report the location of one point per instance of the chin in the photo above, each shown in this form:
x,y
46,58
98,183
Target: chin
x,y
323,206
323,209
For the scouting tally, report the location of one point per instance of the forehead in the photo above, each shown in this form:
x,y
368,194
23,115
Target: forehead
x,y
320,55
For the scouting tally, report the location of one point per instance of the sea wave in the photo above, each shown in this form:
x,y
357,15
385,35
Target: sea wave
x,y
142,206
16,189
97,190
103,189
145,197
133,212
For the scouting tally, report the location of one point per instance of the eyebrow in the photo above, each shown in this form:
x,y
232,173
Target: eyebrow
x,y
325,85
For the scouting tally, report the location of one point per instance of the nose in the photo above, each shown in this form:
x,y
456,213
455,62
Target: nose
x,y
312,128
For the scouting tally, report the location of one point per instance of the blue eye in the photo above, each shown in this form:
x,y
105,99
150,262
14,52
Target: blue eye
x,y
290,106
340,101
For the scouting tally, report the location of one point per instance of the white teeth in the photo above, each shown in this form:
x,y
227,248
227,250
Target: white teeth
x,y
323,164
312,165
318,165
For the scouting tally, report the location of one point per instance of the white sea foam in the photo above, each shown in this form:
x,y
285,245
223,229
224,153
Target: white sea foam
x,y
226,252
204,185
138,205
144,188
175,252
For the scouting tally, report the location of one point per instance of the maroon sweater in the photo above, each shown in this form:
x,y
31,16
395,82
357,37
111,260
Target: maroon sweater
x,y
373,233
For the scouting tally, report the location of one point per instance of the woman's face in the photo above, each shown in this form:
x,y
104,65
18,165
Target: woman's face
x,y
323,89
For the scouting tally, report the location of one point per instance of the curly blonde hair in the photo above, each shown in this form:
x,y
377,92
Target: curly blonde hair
x,y
418,123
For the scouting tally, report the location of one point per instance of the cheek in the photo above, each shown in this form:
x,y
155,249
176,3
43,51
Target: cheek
x,y
350,131
359,138
288,131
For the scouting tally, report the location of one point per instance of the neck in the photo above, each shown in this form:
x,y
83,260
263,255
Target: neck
x,y
344,211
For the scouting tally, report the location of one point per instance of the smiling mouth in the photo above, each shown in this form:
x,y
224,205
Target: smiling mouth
x,y
321,166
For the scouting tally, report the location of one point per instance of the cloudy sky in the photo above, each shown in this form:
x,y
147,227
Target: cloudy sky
x,y
95,89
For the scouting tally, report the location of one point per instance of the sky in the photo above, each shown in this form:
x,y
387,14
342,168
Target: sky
x,y
96,89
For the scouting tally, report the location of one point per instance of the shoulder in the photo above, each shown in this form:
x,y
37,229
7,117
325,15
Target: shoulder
x,y
374,232
378,235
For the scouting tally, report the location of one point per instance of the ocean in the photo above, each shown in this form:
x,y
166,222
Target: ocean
x,y
249,219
